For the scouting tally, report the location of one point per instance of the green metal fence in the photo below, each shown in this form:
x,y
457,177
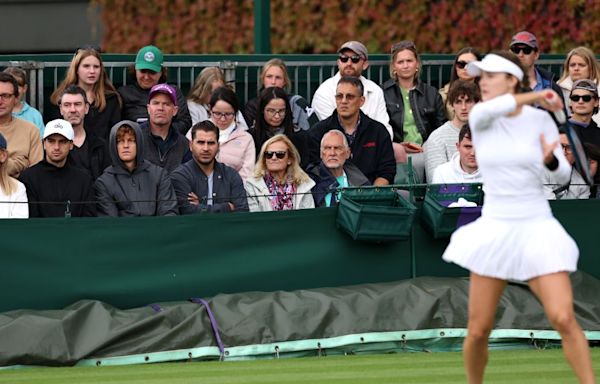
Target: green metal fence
x,y
242,71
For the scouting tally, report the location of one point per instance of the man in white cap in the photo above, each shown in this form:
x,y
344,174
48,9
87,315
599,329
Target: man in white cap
x,y
56,187
353,59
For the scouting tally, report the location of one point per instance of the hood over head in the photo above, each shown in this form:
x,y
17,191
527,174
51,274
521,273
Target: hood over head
x,y
139,140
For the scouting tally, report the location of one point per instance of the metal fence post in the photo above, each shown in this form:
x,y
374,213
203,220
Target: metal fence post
x,y
228,68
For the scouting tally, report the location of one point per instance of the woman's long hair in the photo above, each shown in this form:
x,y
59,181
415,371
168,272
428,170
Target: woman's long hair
x,y
293,171
101,89
261,128
200,92
276,63
588,56
474,51
7,183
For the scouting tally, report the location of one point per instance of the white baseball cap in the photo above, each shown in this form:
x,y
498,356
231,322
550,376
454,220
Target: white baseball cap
x,y
494,63
61,127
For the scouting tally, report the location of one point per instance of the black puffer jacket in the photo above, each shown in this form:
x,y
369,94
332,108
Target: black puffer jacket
x,y
425,102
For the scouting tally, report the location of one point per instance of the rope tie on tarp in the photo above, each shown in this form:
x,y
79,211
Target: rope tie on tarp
x,y
213,324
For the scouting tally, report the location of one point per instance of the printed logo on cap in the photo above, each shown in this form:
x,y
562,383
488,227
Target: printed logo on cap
x,y
58,125
149,56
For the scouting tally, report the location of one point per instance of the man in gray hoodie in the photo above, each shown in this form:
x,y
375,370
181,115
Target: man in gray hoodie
x,y
133,186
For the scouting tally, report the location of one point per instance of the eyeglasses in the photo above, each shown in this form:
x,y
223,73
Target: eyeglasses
x,y
279,154
585,98
348,96
354,58
566,147
6,96
273,112
221,115
461,64
516,50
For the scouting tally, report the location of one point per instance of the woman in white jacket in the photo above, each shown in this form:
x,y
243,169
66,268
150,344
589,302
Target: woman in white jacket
x,y
279,183
13,197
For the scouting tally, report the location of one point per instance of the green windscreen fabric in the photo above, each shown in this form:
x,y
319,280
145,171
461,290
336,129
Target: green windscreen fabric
x,y
382,316
130,262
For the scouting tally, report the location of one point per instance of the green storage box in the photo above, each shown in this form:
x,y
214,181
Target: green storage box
x,y
441,219
375,214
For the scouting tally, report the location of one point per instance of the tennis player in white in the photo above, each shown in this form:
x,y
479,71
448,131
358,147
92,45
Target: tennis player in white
x,y
516,236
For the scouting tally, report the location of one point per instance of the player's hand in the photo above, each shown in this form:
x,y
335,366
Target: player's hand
x,y
547,149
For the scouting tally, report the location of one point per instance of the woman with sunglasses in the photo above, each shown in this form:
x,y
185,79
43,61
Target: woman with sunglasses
x,y
236,146
579,64
459,72
274,73
87,71
279,184
13,196
146,72
516,237
209,79
275,117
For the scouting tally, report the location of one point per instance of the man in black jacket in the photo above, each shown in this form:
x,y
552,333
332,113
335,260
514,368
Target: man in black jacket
x,y
163,144
89,151
203,184
369,141
56,187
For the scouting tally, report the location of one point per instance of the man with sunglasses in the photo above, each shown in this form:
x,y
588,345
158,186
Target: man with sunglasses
x,y
584,104
164,145
353,59
370,144
203,184
524,44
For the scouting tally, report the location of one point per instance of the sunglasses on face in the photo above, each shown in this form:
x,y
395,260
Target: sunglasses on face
x,y
461,64
585,98
516,50
279,154
344,59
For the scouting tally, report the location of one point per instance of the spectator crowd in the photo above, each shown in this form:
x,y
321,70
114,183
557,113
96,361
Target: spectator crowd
x,y
145,149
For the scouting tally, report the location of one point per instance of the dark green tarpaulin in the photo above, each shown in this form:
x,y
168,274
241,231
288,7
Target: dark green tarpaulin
x,y
260,323
130,262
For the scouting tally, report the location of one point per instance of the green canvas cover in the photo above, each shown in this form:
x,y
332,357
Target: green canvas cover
x,y
263,324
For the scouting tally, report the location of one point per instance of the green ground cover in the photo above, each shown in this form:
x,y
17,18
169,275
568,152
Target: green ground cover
x,y
506,366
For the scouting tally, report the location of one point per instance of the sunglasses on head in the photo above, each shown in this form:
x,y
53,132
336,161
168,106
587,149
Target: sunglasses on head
x,y
94,48
404,44
355,58
278,154
516,49
585,98
461,64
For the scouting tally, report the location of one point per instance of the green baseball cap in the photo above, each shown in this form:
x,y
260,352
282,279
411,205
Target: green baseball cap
x,y
149,57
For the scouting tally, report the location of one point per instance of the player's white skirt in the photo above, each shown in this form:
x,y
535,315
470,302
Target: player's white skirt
x,y
513,249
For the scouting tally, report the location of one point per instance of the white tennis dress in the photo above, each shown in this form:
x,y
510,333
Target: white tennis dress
x,y
516,236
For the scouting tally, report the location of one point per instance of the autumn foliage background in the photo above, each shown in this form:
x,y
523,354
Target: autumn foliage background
x,y
318,26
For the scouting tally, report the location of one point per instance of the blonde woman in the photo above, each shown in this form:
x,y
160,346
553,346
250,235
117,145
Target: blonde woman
x,y
209,79
580,64
13,197
87,71
274,73
279,184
